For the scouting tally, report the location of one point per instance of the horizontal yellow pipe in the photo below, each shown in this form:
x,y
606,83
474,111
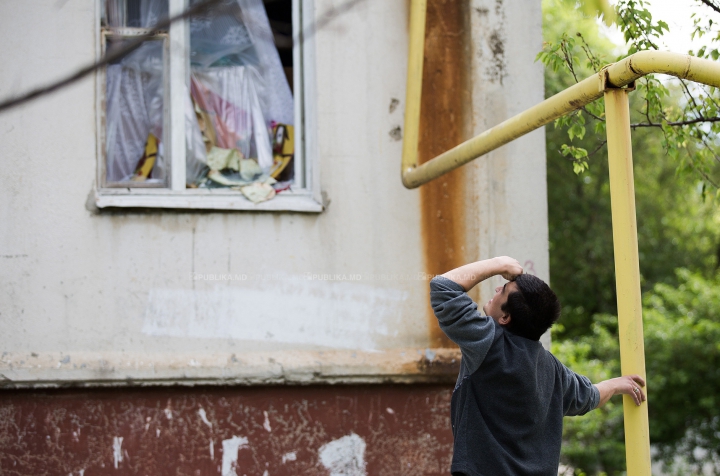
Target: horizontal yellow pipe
x,y
618,74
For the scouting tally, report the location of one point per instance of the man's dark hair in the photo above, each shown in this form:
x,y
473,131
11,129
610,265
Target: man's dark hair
x,y
533,308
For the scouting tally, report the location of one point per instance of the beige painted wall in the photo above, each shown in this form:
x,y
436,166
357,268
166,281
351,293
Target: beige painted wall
x,y
124,295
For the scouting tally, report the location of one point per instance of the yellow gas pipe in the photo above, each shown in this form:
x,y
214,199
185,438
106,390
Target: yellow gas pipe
x,y
610,82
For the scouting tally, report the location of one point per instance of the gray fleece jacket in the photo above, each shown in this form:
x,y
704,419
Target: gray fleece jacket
x,y
511,394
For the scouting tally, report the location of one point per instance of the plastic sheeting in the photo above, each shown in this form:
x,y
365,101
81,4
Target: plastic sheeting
x,y
237,80
230,96
245,35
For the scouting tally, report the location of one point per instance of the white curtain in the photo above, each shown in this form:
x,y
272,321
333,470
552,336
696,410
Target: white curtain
x,y
134,110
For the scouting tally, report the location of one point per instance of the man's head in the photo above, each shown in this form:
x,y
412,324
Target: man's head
x,y
526,307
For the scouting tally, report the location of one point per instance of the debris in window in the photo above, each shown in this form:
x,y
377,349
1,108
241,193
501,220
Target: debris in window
x,y
231,112
147,162
259,191
249,169
219,178
218,159
283,148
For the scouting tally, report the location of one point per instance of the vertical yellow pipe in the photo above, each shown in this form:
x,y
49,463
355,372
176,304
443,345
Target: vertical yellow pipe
x,y
413,93
627,272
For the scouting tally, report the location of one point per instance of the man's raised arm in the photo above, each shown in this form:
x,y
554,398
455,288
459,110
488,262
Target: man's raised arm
x,y
458,315
471,274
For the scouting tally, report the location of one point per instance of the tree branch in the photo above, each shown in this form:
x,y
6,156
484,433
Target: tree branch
x,y
568,60
710,4
676,123
133,44
597,149
109,57
592,115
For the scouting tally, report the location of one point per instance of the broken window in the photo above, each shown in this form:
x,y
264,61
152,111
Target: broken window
x,y
237,103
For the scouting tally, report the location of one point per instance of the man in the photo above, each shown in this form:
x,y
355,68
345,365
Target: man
x,y
511,394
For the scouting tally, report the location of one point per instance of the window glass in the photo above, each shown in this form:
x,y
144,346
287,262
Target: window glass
x,y
134,97
242,102
134,13
135,116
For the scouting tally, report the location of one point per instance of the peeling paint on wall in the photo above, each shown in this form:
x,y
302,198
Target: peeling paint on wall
x,y
332,314
344,456
316,430
117,451
416,365
231,447
266,423
203,417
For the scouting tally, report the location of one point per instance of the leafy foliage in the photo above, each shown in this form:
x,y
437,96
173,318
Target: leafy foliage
x,y
689,125
677,225
679,236
682,346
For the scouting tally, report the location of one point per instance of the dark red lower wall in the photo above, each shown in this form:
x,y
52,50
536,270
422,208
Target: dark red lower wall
x,y
388,429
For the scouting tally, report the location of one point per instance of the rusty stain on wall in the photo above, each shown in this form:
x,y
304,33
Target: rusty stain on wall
x,y
444,123
384,430
439,363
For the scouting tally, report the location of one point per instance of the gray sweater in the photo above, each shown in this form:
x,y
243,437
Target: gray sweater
x,y
511,394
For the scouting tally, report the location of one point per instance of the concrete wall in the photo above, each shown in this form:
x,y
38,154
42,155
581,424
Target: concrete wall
x,y
509,183
92,297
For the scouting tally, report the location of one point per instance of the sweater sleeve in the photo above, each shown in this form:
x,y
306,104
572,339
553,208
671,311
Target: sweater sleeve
x,y
460,320
579,394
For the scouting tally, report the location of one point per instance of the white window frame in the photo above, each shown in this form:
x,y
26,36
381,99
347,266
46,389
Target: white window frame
x,y
304,196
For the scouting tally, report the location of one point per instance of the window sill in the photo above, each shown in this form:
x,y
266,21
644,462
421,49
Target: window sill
x,y
215,199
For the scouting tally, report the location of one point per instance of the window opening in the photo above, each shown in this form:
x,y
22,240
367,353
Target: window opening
x,y
239,112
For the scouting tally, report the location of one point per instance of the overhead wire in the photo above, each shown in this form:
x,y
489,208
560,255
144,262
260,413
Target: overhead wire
x,y
131,45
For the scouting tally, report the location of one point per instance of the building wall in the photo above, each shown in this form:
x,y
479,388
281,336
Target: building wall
x,y
377,430
93,294
140,297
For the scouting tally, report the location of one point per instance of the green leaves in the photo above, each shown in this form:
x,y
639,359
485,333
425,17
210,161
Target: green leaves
x,y
639,29
685,113
579,157
682,346
675,149
550,56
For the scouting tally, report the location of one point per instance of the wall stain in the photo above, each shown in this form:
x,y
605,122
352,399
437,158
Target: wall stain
x,y
394,103
497,70
440,365
444,123
396,133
